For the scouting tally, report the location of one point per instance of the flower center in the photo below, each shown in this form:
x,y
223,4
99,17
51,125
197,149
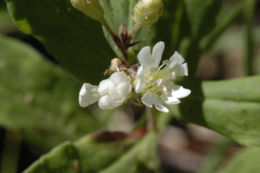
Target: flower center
x,y
155,81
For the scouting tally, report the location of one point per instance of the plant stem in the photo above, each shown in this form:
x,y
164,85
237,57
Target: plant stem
x,y
10,154
117,41
151,119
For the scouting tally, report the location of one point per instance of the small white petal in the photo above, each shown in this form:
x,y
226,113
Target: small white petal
x,y
170,100
157,53
124,89
140,80
160,107
167,96
122,85
179,91
110,101
119,77
105,86
176,58
88,95
149,99
177,66
105,102
145,58
140,85
181,70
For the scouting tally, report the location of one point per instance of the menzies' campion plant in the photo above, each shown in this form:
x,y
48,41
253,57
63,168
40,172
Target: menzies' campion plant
x,y
152,82
143,78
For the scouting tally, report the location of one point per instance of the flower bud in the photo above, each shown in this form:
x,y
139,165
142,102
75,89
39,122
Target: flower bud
x,y
147,12
91,8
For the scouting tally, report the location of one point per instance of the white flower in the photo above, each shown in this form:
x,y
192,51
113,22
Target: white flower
x,y
154,82
110,93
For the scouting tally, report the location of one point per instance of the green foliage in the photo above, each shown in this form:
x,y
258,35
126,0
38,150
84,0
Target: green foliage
x,y
231,107
38,99
92,154
246,161
75,40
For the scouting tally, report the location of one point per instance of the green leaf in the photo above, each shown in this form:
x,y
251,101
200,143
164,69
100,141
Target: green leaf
x,y
93,154
39,99
118,12
231,107
75,40
244,162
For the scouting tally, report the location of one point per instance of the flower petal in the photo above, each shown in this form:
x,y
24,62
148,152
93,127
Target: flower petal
x,y
176,58
105,102
172,94
140,80
88,95
159,106
124,89
157,53
110,101
177,66
181,70
170,100
119,77
105,86
122,85
149,99
179,91
145,58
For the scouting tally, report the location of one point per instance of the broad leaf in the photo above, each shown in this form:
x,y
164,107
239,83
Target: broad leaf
x,y
106,152
244,162
38,99
75,40
231,107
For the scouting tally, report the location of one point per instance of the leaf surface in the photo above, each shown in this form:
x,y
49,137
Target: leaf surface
x,y
245,161
75,40
38,99
231,107
90,154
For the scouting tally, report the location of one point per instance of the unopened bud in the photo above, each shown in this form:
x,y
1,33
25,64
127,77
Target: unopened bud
x,y
147,12
91,8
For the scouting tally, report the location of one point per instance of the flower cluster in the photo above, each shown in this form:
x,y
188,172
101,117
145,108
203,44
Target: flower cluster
x,y
152,82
